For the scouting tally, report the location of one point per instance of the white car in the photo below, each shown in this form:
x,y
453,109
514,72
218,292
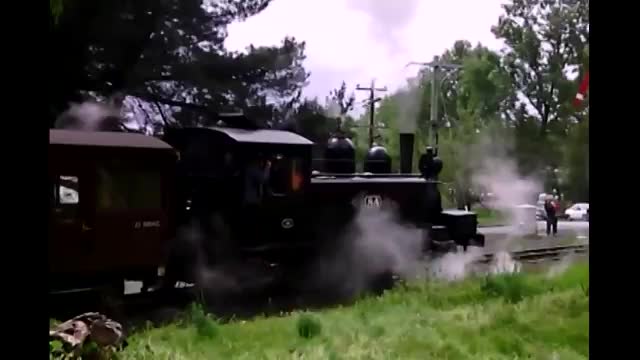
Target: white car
x,y
578,211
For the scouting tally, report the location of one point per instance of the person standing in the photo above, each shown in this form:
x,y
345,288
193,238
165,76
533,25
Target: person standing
x,y
552,217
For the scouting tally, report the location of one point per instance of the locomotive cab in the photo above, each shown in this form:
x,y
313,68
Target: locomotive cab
x,y
252,180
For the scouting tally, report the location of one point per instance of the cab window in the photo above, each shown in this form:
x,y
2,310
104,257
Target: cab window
x,y
285,175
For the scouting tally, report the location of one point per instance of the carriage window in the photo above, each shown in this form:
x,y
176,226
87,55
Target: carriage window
x,y
65,198
125,189
68,190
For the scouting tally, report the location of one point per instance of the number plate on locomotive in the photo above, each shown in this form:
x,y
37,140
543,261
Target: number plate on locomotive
x,y
373,201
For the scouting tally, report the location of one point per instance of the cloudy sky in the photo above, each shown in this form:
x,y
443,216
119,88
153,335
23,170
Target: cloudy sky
x,y
359,40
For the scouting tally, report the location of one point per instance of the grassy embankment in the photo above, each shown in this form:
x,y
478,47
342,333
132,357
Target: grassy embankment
x,y
502,317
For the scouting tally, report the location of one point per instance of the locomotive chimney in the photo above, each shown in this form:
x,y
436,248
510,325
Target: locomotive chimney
x,y
408,125
406,152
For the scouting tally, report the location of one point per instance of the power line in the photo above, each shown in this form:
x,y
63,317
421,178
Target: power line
x,y
372,102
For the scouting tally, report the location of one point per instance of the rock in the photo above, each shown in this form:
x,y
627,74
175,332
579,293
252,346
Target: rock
x,y
72,333
93,326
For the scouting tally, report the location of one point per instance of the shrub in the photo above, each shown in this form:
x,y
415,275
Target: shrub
x,y
308,326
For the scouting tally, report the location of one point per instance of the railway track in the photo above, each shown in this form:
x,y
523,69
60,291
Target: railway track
x,y
535,255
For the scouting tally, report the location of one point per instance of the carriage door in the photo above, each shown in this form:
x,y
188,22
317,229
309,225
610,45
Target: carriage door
x,y
72,241
131,216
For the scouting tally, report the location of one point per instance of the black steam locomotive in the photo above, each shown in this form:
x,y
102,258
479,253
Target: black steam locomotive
x,y
247,193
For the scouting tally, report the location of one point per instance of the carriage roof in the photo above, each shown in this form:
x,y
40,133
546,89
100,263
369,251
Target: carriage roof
x,y
104,139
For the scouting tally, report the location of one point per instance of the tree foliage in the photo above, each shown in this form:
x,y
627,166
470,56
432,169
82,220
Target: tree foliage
x,y
171,53
546,41
522,96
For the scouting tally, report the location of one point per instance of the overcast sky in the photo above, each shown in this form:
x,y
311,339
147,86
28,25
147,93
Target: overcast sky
x,y
358,40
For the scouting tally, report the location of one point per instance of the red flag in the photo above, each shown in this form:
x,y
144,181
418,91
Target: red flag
x,y
582,90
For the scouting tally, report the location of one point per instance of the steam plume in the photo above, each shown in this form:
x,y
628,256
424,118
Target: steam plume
x,y
90,116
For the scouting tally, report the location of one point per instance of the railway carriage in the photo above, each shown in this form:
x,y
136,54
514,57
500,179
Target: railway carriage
x,y
109,208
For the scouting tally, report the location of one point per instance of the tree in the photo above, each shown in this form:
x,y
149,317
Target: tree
x,y
312,122
344,101
577,162
546,40
170,53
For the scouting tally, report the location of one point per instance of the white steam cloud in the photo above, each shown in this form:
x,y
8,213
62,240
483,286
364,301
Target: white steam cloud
x,y
453,266
497,173
504,263
377,244
90,116
409,106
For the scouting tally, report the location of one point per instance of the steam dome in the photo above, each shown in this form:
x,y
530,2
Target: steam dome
x,y
340,156
377,161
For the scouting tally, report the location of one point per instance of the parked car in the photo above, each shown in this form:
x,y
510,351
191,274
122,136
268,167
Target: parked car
x,y
578,211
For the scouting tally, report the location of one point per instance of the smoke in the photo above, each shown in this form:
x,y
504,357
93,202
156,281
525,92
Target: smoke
x,y
388,19
376,246
562,265
503,263
497,173
90,116
454,266
457,266
408,108
210,263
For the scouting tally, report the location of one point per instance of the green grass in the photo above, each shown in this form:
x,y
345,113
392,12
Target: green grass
x,y
489,217
502,317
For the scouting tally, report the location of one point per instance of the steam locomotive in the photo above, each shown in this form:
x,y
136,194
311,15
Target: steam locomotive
x,y
120,201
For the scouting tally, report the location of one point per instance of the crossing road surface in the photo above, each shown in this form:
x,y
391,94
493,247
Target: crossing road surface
x,y
580,228
498,237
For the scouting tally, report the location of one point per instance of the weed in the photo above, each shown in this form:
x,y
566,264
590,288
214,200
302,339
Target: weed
x,y
585,289
308,326
205,326
513,288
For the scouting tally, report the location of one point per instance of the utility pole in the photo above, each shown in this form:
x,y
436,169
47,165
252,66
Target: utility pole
x,y
436,66
372,102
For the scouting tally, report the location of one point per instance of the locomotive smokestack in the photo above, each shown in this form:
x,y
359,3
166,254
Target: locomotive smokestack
x,y
408,123
406,152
